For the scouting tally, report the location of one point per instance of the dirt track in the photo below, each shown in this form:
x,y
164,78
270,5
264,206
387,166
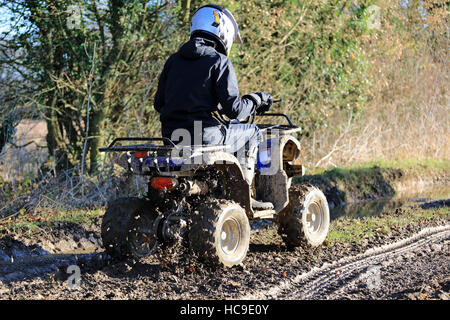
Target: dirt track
x,y
415,268
367,272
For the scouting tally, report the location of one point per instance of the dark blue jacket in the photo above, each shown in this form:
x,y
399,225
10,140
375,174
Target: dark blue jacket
x,y
192,84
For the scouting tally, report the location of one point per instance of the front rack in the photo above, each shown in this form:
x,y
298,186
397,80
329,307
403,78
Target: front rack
x,y
291,125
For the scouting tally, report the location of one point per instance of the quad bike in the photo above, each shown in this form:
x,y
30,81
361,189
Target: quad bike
x,y
199,194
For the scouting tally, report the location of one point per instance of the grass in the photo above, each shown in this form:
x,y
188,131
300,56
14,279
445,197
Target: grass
x,y
416,165
49,218
346,229
375,179
409,164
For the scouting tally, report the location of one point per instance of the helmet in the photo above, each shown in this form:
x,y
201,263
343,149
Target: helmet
x,y
218,22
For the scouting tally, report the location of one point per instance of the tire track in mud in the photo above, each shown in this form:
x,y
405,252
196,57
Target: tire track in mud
x,y
333,277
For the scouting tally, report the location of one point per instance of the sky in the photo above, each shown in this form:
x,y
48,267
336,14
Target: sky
x,y
5,20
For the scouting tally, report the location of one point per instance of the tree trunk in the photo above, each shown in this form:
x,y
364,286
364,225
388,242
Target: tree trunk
x,y
96,124
186,10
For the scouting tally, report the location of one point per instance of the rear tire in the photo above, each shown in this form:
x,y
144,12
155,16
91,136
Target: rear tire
x,y
220,233
306,220
127,228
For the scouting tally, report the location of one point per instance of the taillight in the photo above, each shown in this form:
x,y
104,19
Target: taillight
x,y
163,183
139,154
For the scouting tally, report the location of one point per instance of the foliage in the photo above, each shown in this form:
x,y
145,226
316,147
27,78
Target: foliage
x,y
57,48
319,56
306,52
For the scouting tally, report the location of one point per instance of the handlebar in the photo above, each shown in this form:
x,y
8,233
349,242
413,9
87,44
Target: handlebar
x,y
280,115
251,118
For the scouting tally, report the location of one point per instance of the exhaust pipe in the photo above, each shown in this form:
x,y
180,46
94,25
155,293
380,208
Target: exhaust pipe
x,y
194,188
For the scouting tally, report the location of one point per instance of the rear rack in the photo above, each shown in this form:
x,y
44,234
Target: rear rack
x,y
169,146
138,147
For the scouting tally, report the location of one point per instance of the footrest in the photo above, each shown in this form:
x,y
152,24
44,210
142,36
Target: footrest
x,y
264,214
259,205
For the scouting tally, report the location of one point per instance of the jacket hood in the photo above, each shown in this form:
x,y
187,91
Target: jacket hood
x,y
196,48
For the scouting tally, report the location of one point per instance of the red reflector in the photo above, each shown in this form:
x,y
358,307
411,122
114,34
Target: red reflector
x,y
140,154
163,183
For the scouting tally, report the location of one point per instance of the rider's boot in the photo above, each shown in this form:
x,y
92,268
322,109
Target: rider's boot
x,y
248,167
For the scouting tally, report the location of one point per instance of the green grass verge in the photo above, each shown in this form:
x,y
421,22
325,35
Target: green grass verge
x,y
376,179
49,218
410,165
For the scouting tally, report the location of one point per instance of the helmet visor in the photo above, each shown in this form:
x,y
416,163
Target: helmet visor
x,y
237,34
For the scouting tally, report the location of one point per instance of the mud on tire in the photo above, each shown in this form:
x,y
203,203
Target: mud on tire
x,y
118,223
306,220
220,233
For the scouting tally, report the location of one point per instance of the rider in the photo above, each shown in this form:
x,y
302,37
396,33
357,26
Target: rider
x,y
199,77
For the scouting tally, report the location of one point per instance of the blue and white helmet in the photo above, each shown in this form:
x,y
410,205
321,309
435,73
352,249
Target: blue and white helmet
x,y
217,22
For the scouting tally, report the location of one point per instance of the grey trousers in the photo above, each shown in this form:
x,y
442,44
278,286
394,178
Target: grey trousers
x,y
244,140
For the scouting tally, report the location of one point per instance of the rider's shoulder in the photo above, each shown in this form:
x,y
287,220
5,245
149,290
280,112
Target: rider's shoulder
x,y
222,60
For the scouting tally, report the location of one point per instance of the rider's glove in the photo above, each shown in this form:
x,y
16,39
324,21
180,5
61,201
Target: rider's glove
x,y
266,102
263,101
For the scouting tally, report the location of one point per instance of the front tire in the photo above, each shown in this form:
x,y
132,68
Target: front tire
x,y
220,233
306,220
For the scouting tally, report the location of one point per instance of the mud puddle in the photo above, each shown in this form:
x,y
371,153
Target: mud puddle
x,y
42,265
406,199
26,255
425,197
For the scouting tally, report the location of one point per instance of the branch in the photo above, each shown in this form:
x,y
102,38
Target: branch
x,y
91,76
26,144
335,147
